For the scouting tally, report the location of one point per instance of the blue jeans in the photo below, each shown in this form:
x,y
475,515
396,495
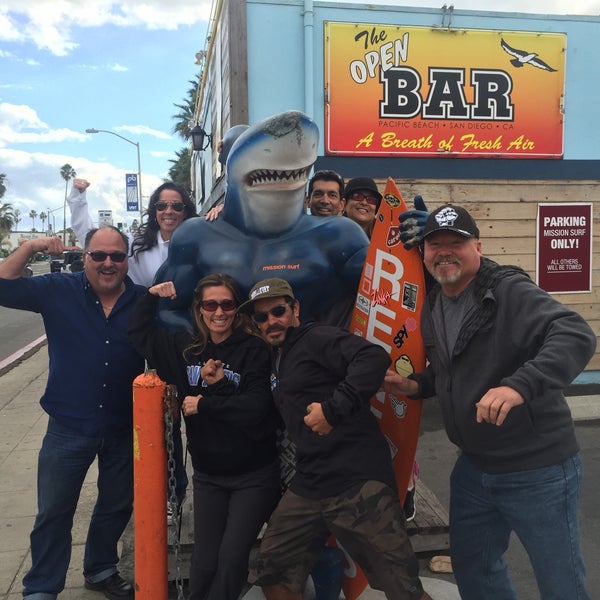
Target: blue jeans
x,y
540,506
63,463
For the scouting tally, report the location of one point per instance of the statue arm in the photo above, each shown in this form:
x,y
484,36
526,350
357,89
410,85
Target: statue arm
x,y
182,268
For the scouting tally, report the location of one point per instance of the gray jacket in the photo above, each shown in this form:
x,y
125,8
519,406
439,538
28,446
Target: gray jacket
x,y
515,335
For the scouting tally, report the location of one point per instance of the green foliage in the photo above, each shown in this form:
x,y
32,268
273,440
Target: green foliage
x,y
67,172
180,171
7,219
184,119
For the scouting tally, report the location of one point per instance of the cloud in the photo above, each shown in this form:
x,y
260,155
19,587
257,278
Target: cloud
x,y
144,130
48,23
20,124
18,117
114,67
34,183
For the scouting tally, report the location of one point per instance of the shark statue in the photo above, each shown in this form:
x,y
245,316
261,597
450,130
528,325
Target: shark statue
x,y
263,230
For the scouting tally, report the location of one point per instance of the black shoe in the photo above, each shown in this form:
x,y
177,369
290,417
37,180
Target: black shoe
x,y
409,505
113,587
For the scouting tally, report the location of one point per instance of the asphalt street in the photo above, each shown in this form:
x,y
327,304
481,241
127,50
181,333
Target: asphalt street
x,y
436,456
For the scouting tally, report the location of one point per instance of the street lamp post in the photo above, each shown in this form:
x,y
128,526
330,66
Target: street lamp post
x,y
137,145
51,212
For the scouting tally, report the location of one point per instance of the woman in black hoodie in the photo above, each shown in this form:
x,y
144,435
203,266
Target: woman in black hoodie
x,y
222,374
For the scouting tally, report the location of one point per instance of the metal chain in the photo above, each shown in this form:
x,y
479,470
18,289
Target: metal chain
x,y
171,408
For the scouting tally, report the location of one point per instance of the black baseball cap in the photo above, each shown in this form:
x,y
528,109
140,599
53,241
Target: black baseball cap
x,y
451,218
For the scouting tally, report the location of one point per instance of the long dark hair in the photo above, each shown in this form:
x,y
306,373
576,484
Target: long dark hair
x,y
145,237
201,332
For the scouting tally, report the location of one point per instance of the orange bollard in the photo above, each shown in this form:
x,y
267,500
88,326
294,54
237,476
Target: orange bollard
x,y
150,488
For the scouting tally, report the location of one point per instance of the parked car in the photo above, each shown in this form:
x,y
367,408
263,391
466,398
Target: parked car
x,y
73,260
62,263
56,264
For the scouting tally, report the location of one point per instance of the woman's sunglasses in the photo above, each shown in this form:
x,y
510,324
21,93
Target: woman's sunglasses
x,y
176,206
212,305
360,196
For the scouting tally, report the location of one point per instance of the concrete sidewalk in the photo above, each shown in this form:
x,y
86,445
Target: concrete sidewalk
x,y
22,426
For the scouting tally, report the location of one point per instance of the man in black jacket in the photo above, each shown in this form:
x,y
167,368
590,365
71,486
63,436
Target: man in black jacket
x,y
500,352
323,378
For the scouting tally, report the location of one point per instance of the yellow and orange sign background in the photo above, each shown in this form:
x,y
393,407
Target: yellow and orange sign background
x,y
353,125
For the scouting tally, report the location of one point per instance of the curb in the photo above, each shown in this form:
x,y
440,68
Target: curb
x,y
23,354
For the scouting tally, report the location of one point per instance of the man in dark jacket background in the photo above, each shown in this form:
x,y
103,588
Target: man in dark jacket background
x,y
323,379
501,350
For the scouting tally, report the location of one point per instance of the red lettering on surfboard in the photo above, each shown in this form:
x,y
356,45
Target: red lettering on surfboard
x,y
379,298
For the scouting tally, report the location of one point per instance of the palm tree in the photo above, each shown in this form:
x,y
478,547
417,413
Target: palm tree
x,y
43,217
7,219
184,119
17,215
180,171
2,184
32,216
67,172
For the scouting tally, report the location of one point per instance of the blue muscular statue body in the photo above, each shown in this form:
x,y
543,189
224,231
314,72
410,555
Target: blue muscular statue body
x,y
263,231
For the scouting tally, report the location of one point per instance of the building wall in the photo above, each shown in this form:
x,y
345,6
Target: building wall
x,y
14,238
276,51
506,215
503,194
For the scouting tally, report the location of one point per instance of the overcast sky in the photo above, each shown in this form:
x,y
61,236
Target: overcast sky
x,y
68,65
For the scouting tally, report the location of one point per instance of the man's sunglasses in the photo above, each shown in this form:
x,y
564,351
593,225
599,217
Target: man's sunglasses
x,y
212,305
276,311
100,256
176,206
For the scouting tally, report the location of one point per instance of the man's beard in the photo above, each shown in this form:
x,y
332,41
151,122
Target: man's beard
x,y
443,279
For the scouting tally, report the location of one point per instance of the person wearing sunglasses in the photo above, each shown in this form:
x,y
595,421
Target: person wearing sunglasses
x,y
88,399
322,380
361,202
169,206
222,371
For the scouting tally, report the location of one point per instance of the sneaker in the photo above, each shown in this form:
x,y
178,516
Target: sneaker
x,y
409,505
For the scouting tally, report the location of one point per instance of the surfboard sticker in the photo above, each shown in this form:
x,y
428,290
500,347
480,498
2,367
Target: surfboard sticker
x,y
387,312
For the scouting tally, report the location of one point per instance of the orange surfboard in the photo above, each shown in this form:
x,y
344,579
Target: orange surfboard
x,y
387,312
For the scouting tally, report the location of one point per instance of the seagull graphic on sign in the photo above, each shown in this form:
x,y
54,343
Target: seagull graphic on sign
x,y
522,57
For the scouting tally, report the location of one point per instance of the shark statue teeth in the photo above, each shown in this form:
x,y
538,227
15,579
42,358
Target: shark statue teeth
x,y
268,176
